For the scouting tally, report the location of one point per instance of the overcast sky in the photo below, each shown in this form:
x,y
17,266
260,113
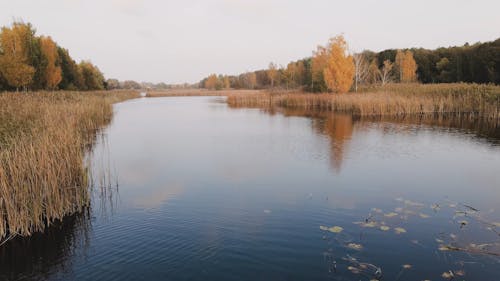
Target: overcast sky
x,y
184,41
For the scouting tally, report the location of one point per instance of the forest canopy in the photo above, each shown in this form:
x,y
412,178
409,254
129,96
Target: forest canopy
x,y
31,62
477,63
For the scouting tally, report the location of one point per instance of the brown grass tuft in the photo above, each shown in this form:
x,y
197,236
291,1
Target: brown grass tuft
x,y
43,137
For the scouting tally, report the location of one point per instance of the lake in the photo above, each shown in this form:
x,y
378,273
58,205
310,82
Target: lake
x,y
188,188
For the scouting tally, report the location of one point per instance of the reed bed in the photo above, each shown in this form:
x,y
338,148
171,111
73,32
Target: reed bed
x,y
43,140
392,100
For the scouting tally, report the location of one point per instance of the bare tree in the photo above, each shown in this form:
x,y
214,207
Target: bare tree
x,y
361,68
385,73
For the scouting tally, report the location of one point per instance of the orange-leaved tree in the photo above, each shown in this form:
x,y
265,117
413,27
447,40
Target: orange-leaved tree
x,y
339,70
52,73
406,65
14,65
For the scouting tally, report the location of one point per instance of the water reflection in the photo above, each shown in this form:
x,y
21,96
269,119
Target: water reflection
x,y
207,192
46,254
339,128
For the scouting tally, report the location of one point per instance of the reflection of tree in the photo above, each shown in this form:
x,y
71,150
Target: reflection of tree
x,y
45,253
339,130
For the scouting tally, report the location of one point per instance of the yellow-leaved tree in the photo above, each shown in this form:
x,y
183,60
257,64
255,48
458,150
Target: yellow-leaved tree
x,y
211,82
52,72
407,67
339,70
15,43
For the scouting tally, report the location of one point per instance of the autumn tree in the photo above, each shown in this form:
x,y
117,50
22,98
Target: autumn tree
x,y
339,69
272,73
361,70
211,82
14,60
226,82
406,66
318,65
92,76
52,72
373,72
386,73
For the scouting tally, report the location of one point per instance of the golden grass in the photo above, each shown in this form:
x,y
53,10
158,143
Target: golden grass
x,y
392,100
43,137
197,92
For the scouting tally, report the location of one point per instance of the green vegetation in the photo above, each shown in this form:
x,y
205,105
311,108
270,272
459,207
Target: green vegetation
x,y
43,137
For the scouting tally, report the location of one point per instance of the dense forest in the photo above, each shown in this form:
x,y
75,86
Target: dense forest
x,y
477,63
31,62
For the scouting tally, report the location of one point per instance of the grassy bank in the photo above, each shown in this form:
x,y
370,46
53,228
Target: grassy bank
x,y
390,100
43,138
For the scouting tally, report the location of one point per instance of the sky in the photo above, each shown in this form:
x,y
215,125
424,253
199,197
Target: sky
x,y
184,41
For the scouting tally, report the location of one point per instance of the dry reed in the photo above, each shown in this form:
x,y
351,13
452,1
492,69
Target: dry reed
x,y
43,138
393,100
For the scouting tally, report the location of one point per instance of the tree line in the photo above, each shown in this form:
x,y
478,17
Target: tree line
x,y
31,62
332,68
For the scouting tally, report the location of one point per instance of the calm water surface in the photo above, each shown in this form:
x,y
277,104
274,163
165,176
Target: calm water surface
x,y
208,192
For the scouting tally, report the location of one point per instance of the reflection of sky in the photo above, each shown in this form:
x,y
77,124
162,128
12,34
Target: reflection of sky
x,y
224,191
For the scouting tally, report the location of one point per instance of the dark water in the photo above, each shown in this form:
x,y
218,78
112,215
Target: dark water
x,y
208,192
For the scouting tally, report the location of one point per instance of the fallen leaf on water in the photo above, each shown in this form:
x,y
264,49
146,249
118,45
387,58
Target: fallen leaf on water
x,y
369,224
335,229
424,216
322,227
412,203
399,230
390,215
355,246
384,228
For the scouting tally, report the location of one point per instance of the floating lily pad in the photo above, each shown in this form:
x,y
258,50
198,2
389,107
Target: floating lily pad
x,y
384,228
369,224
424,216
354,246
390,215
335,229
399,230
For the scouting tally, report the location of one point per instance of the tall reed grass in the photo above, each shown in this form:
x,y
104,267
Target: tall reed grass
x,y
43,140
391,100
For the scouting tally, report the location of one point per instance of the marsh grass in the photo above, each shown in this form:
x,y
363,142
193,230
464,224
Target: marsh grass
x,y
43,140
391,100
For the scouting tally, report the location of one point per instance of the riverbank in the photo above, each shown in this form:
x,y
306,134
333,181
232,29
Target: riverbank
x,y
43,140
473,100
